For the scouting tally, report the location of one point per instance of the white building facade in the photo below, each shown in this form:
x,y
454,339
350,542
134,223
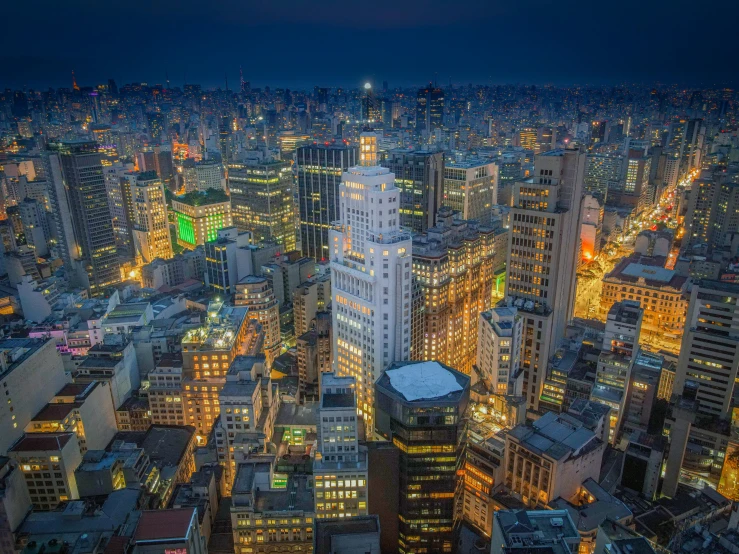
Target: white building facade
x,y
370,276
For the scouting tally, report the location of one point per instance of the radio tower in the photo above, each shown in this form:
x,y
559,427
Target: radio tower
x,y
74,82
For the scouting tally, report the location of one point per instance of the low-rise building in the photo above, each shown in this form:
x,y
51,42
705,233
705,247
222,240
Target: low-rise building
x,y
174,530
271,512
133,414
551,458
348,536
529,531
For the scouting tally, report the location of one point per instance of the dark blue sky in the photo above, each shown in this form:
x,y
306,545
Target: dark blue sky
x,y
297,43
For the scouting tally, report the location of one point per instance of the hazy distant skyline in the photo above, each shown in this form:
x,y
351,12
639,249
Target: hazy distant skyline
x,y
299,44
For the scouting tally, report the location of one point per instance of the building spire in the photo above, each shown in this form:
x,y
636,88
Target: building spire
x,y
74,82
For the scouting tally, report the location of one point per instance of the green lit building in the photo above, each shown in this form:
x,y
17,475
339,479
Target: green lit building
x,y
199,215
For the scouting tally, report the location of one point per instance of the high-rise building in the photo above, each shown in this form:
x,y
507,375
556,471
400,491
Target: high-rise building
x,y
254,292
262,202
713,212
319,169
419,175
421,408
157,123
340,465
200,215
119,206
616,361
527,139
600,170
636,191
471,187
310,298
35,225
204,175
207,353
453,264
370,276
499,343
429,108
150,226
709,366
542,258
83,222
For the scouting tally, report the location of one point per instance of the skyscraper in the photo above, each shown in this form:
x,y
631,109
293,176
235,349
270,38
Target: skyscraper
x,y
419,174
542,258
708,366
83,221
151,237
319,168
262,201
420,408
370,276
470,188
453,265
429,108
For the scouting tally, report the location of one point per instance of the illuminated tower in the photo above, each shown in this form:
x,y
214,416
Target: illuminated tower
x,y
542,258
370,276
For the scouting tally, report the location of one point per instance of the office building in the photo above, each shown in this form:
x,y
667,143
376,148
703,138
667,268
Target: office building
x,y
453,264
207,353
526,139
642,393
420,407
347,536
499,344
643,463
206,175
255,293
660,292
370,276
525,531
708,367
601,171
616,361
712,218
340,465
35,226
15,502
471,188
79,203
148,217
429,109
419,175
165,392
87,412
31,373
483,475
319,169
262,202
636,188
310,298
200,215
54,454
541,264
550,458
171,530
271,512
248,412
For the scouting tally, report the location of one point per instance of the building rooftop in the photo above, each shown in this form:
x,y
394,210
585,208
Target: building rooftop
x,y
298,495
198,198
297,415
126,313
327,530
42,442
421,381
596,506
160,525
537,531
13,352
555,437
56,412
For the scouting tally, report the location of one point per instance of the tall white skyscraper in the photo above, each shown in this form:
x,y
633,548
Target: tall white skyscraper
x,y
370,276
542,259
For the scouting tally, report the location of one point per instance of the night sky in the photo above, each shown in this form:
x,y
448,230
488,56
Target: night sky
x,y
298,44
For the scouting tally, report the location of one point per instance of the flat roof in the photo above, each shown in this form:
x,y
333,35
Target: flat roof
x,y
20,349
649,272
56,412
326,529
